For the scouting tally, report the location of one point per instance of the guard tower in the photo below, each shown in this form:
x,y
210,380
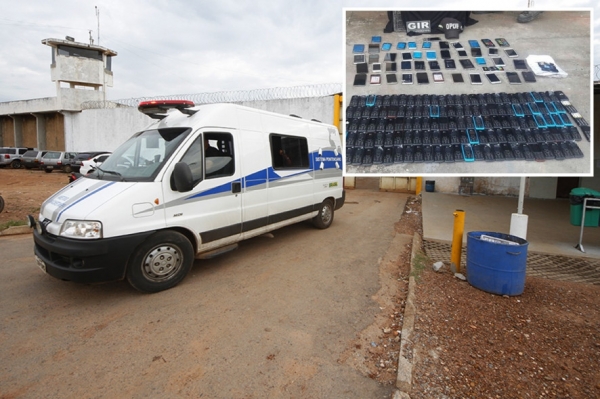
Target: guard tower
x,y
82,71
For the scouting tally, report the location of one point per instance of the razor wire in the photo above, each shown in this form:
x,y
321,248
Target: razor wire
x,y
238,96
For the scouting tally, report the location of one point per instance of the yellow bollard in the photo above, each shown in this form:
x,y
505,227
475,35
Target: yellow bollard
x,y
418,185
457,237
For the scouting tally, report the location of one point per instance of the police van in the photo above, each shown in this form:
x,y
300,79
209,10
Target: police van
x,y
192,185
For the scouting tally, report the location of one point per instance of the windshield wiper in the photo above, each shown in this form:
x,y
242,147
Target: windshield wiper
x,y
110,172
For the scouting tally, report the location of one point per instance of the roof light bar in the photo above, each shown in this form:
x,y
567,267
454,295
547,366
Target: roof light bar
x,y
157,109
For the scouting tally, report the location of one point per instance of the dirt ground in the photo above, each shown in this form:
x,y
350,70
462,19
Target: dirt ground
x,y
544,343
24,191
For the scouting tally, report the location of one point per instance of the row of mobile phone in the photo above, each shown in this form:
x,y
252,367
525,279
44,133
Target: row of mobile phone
x,y
449,153
475,78
376,44
433,55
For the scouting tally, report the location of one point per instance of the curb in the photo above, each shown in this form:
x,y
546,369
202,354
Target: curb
x,y
14,230
407,355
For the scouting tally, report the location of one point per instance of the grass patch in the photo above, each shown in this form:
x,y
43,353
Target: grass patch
x,y
418,265
11,223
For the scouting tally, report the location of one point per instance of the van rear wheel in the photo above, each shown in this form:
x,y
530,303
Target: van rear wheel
x,y
325,216
160,262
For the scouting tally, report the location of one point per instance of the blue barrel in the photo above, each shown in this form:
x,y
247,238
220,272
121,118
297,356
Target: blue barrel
x,y
494,265
429,186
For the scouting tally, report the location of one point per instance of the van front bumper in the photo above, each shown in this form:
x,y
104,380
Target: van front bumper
x,y
86,261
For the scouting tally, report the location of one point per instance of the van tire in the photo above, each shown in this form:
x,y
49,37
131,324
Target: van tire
x,y
325,216
176,259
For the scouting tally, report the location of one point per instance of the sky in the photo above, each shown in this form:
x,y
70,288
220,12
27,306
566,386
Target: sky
x,y
170,47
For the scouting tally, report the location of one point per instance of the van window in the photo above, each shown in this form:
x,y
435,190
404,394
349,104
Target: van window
x,y
219,158
289,152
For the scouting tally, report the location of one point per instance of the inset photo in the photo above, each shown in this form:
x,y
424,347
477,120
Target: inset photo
x,y
468,92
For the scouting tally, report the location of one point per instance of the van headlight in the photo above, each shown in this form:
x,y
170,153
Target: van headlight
x,y
84,229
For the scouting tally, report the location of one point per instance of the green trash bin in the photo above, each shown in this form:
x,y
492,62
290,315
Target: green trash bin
x,y
592,216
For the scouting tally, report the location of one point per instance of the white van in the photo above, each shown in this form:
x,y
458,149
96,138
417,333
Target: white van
x,y
193,184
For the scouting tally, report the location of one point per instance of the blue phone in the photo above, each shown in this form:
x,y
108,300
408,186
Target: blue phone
x,y
474,43
426,44
401,46
386,46
480,60
376,39
412,45
358,48
417,55
431,55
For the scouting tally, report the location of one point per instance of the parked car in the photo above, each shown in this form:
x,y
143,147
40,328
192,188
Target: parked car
x,y
84,156
12,156
32,159
93,163
58,160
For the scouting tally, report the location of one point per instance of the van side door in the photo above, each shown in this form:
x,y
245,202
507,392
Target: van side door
x,y
212,209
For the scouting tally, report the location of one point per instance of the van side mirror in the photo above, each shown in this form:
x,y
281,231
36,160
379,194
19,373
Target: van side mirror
x,y
181,179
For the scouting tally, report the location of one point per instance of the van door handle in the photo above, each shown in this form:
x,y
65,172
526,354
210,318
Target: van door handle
x,y
236,187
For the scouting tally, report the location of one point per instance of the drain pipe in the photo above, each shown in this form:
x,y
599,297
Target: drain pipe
x,y
518,221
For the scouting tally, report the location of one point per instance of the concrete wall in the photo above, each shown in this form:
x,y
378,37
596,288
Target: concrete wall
x,y
106,129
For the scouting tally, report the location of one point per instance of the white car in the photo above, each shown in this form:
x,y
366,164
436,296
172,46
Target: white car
x,y
91,164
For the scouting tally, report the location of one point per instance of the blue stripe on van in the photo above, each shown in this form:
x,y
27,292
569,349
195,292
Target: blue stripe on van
x,y
84,197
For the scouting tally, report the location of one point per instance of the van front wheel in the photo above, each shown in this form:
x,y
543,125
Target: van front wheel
x,y
325,216
161,262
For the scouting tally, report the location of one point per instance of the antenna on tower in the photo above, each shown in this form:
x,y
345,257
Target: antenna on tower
x,y
98,19
91,38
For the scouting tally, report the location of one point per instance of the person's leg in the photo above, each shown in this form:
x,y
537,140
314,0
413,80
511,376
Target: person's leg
x,y
528,16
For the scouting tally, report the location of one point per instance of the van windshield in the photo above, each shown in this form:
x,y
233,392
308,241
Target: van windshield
x,y
142,156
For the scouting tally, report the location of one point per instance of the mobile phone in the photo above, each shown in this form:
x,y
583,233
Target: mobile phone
x,y
513,78
492,51
492,78
373,58
457,45
360,79
391,78
520,64
450,64
438,77
373,48
444,45
457,78
498,61
358,48
518,110
475,78
431,55
473,43
362,68
420,65
426,44
467,151
376,39
445,54
407,78
475,52
386,46
422,78
528,76
412,45
376,67
401,46
511,53
407,56
359,58
434,66
480,61
462,53
406,65
466,63
417,55
488,43
536,97
371,99
502,42
375,79
390,57
391,67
